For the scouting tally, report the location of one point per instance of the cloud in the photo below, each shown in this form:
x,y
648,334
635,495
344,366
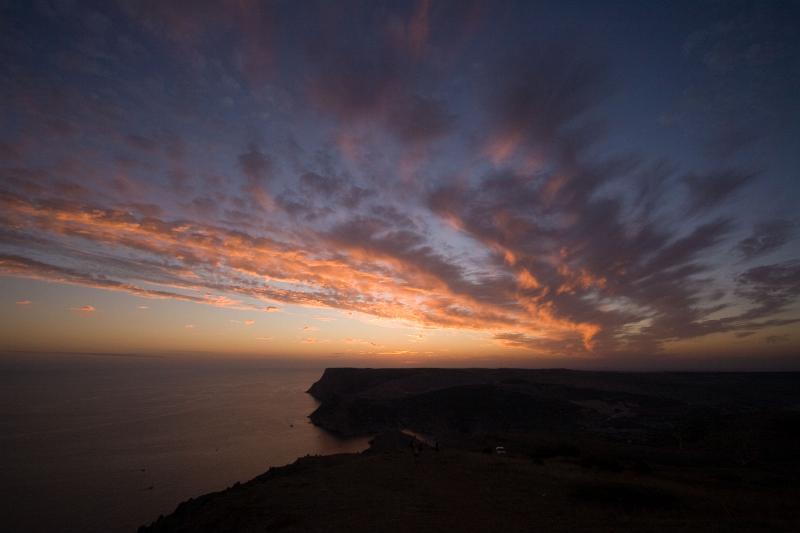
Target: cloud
x,y
24,302
189,326
249,322
372,76
420,120
766,237
249,26
351,340
515,340
545,93
771,288
776,339
84,309
399,168
29,268
708,191
255,165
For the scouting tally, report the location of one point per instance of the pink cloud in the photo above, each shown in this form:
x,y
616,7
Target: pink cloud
x,y
24,302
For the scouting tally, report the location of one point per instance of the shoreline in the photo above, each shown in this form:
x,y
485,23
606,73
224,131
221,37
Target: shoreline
x,y
626,453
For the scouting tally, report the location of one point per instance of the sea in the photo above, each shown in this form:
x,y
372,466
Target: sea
x,y
106,443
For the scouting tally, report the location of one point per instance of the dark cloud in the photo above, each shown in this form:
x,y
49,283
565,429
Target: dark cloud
x,y
315,196
141,142
420,120
540,97
324,185
568,236
766,237
776,339
8,152
255,165
191,25
710,190
770,287
379,74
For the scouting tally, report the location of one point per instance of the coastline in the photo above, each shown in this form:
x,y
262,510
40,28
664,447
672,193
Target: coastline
x,y
618,462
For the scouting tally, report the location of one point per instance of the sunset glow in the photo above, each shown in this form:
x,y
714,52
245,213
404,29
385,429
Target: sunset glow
x,y
408,183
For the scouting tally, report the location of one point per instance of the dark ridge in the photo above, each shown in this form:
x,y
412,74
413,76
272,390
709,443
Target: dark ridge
x,y
512,450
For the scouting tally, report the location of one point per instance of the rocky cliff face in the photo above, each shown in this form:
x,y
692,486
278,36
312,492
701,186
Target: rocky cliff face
x,y
348,381
441,401
452,403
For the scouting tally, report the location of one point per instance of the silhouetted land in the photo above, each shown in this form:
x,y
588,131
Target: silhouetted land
x,y
585,451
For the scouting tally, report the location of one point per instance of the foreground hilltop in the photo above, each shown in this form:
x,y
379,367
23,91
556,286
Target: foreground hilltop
x,y
584,451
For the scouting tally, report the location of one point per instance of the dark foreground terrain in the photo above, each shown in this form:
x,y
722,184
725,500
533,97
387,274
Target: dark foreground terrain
x,y
585,451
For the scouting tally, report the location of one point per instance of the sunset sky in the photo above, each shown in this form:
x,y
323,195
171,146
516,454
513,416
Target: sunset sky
x,y
401,181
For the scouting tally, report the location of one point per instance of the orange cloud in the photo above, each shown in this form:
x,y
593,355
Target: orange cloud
x,y
321,271
502,147
24,302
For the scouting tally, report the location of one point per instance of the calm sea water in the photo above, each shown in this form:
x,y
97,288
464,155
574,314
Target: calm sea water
x,y
99,443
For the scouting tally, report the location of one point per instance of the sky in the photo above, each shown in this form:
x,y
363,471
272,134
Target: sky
x,y
408,182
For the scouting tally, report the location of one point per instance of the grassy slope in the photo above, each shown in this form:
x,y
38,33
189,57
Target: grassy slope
x,y
457,490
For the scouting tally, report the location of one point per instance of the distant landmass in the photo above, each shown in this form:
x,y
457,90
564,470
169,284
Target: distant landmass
x,y
522,450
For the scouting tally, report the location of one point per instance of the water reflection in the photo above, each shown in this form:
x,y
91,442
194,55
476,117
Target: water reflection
x,y
91,444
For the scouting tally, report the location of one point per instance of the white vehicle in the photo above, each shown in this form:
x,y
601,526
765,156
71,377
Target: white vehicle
x,y
500,450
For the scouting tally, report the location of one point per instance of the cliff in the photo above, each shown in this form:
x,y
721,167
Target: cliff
x,y
458,404
586,451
